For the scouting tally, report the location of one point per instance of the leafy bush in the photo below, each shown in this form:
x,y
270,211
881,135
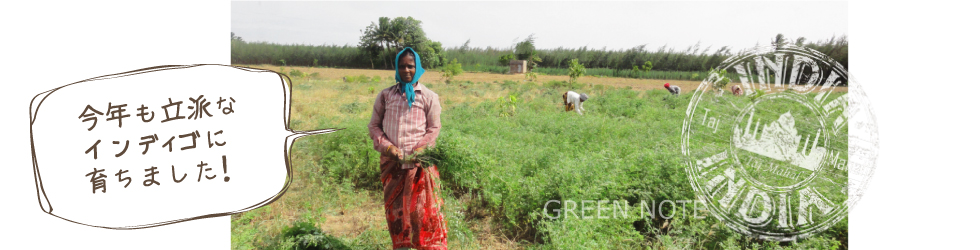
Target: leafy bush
x,y
306,235
357,79
352,108
575,70
504,60
563,85
349,155
635,73
531,76
673,101
297,73
451,70
756,94
508,84
620,103
719,79
508,105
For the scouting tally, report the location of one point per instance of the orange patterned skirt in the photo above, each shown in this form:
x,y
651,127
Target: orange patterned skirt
x,y
412,206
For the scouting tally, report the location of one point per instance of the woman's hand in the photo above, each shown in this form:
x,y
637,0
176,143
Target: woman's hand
x,y
394,152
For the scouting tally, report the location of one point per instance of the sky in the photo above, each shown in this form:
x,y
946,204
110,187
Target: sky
x,y
614,25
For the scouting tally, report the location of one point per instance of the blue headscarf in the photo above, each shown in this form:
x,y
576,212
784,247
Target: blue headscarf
x,y
408,87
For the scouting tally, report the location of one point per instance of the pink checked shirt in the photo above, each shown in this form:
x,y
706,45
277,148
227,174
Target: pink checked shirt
x,y
393,123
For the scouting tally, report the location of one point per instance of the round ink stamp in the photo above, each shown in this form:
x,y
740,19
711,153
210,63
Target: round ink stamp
x,y
779,142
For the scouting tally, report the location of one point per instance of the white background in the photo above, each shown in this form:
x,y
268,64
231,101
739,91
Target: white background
x,y
914,60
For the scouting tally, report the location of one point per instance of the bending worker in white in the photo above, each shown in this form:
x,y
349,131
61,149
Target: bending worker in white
x,y
574,101
672,88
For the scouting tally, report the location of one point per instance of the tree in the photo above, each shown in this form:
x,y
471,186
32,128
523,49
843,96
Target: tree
x,y
372,51
647,66
373,41
431,52
835,48
632,54
466,46
635,72
383,40
719,79
779,41
451,70
524,50
575,70
505,59
235,38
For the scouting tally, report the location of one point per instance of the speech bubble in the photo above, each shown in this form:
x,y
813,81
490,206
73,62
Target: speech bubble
x,y
162,145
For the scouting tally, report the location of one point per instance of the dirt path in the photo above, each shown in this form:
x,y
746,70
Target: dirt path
x,y
433,75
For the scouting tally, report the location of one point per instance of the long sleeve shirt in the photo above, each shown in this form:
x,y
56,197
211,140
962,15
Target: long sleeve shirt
x,y
574,99
393,123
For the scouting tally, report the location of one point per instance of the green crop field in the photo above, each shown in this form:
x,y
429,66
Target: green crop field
x,y
503,159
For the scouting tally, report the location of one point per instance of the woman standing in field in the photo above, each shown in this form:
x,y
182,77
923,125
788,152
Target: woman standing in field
x,y
406,119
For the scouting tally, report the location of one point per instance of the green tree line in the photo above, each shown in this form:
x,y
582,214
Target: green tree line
x,y
380,42
693,58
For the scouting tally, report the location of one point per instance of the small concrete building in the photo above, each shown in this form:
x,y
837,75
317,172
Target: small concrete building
x,y
518,66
